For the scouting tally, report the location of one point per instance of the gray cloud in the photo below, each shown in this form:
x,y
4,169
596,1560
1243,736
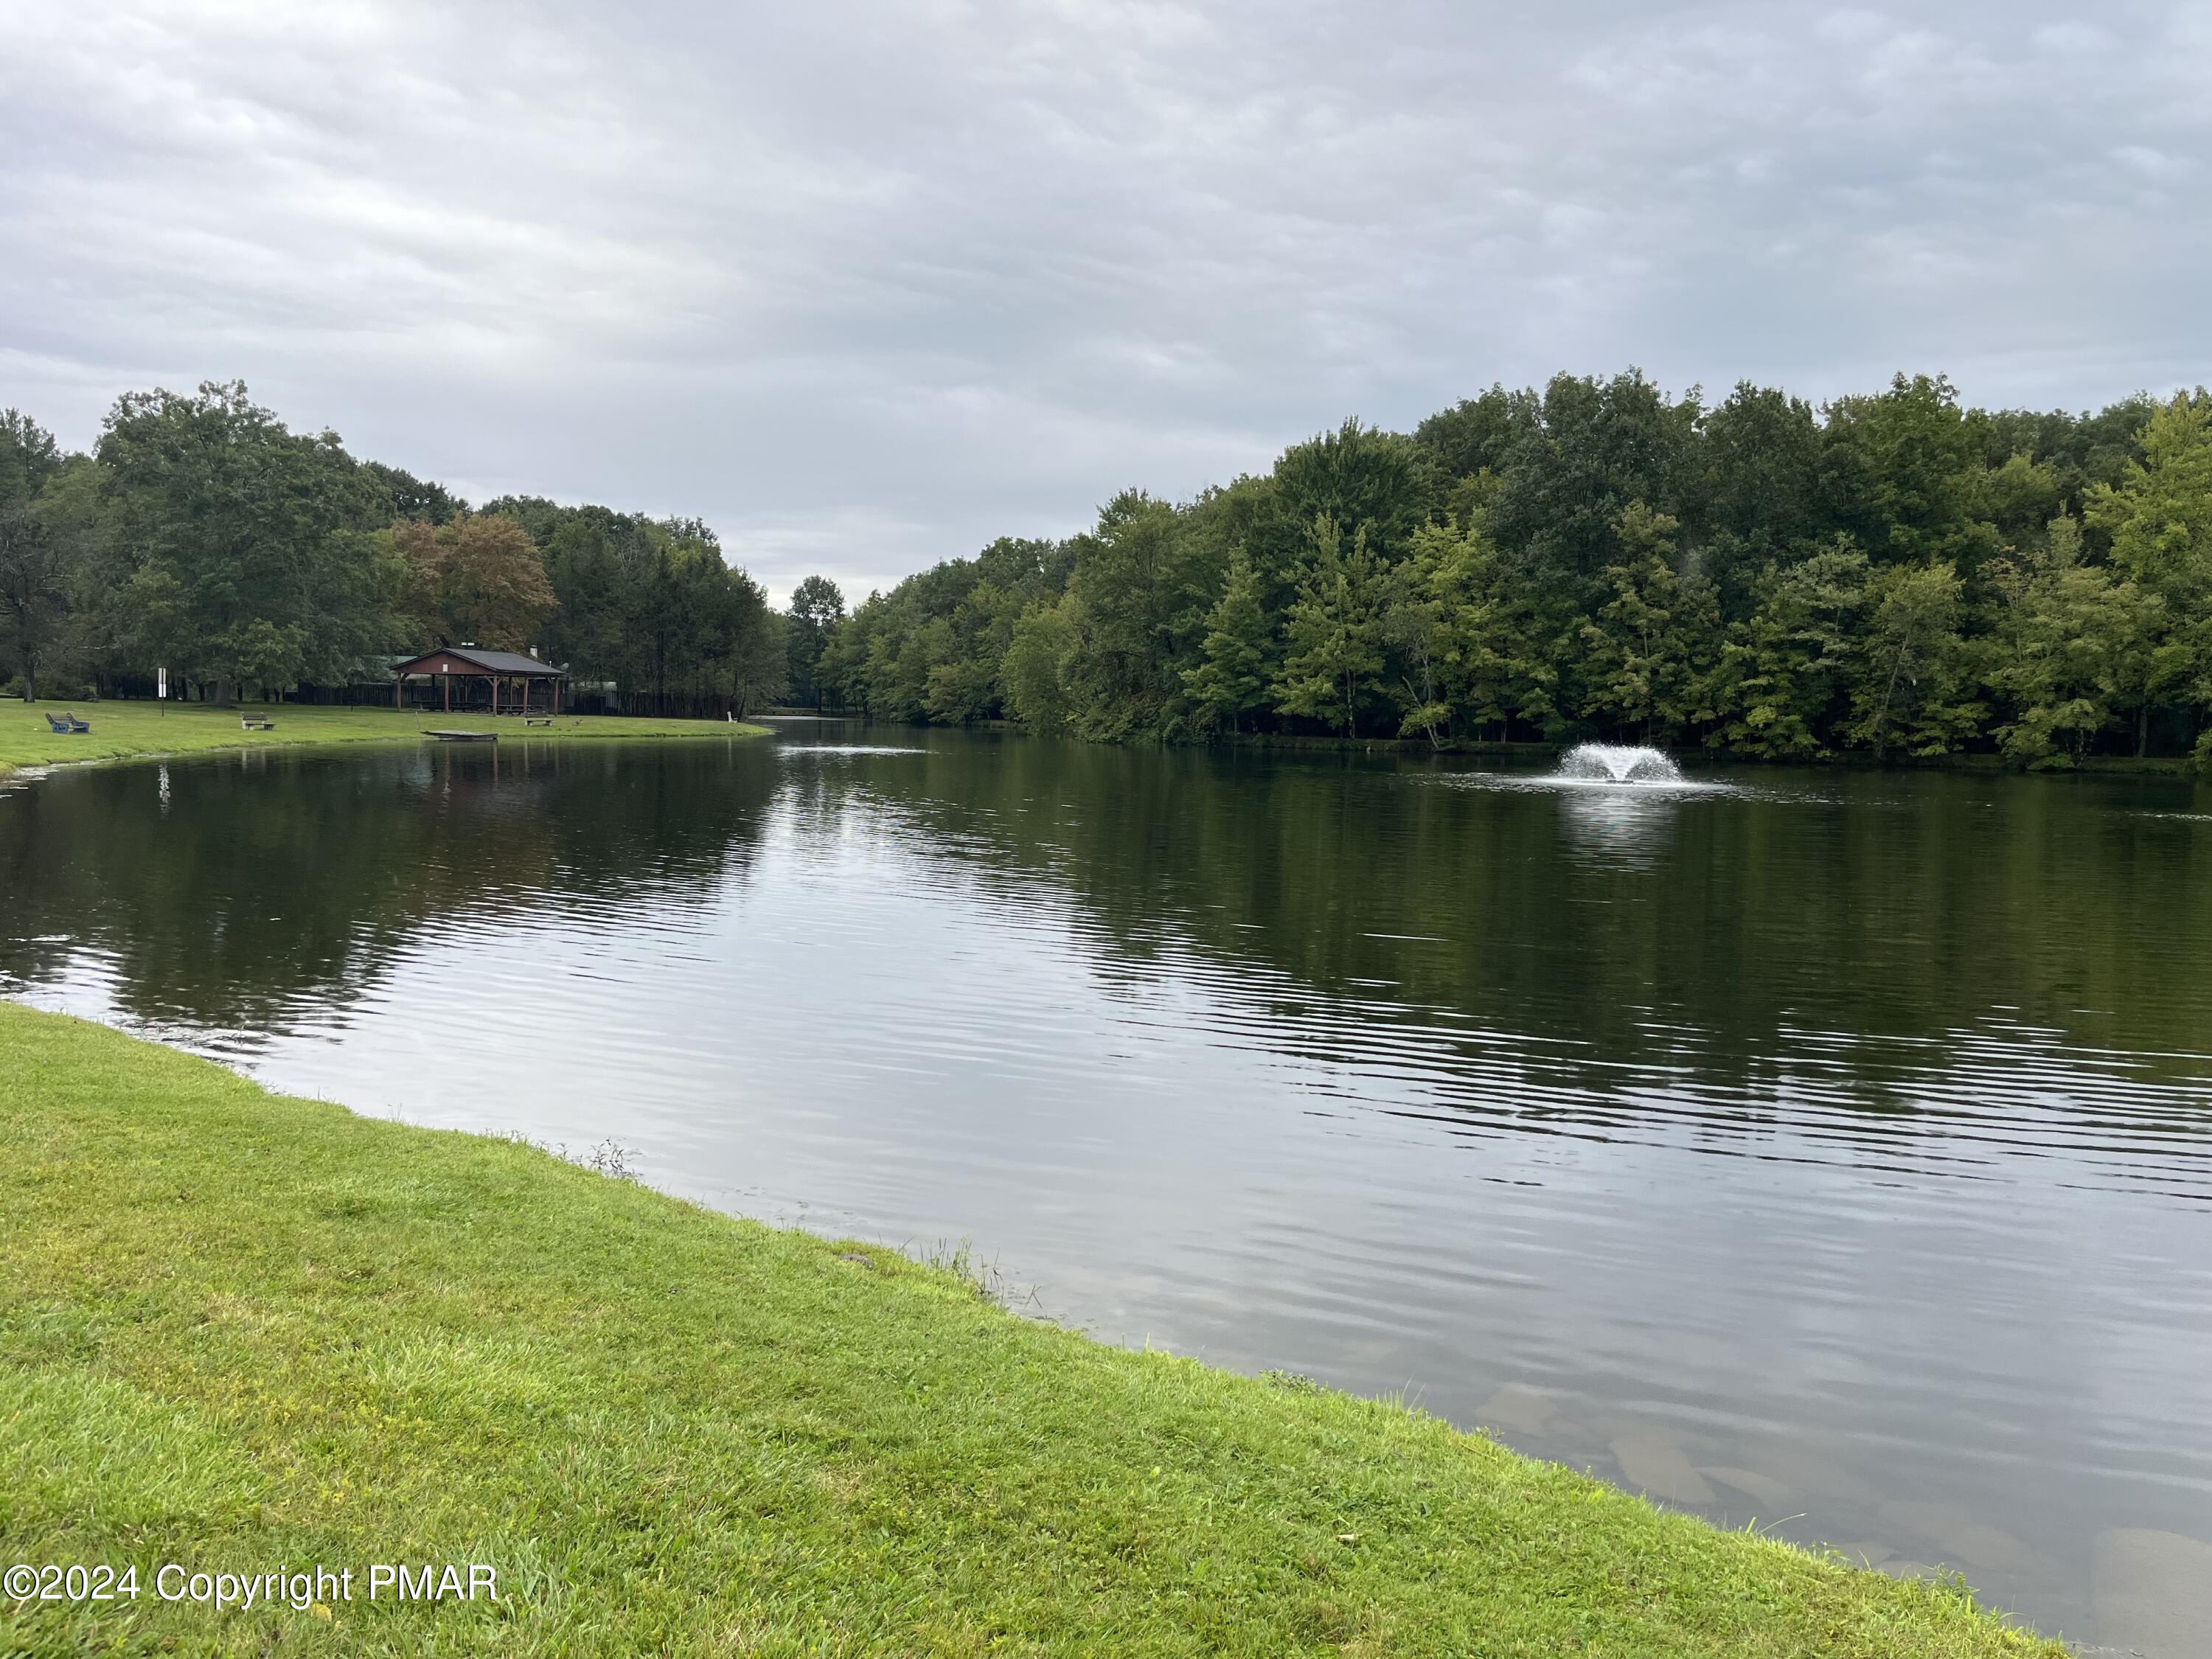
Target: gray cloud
x,y
864,287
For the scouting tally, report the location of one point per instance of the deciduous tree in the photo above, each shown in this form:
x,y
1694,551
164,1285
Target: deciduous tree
x,y
817,608
1232,674
248,546
1333,632
1914,687
476,580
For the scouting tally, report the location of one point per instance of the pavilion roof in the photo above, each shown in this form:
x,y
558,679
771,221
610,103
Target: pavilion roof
x,y
492,662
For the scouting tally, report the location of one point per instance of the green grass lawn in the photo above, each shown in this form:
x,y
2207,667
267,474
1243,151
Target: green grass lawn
x,y
120,730
240,1332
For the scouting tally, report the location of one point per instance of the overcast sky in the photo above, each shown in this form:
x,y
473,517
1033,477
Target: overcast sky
x,y
864,287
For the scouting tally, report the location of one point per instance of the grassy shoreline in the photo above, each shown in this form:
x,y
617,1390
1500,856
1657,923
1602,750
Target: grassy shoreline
x,y
134,730
240,1331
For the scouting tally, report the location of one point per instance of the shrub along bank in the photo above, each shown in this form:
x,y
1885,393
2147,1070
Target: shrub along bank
x,y
240,1332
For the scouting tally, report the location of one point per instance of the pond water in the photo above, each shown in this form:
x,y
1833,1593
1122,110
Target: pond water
x,y
1827,1151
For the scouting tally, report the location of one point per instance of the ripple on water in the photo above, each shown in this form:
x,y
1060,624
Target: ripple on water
x,y
1836,1151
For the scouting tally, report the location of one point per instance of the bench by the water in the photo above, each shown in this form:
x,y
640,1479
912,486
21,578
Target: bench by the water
x,y
463,736
256,723
66,723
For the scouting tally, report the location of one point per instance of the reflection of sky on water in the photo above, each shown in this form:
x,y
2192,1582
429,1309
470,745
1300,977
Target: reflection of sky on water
x,y
1935,1294
1627,825
1607,822
795,749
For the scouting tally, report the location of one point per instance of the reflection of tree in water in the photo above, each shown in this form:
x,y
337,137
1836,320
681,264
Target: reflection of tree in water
x,y
1760,953
227,891
1733,962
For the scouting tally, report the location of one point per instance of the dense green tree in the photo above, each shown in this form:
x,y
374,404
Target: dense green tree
x,y
652,608
1905,471
1234,670
881,658
1915,688
752,668
1651,645
30,460
697,626
1031,673
586,567
35,595
2158,513
817,607
1332,633
2079,649
966,672
1475,434
1756,498
1761,481
248,548
1357,477
35,585
2019,498
2157,516
1142,590
1783,670
2081,451
1411,629
1496,660
1594,447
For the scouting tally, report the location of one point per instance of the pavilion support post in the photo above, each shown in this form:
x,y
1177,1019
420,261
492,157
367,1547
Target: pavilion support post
x,y
446,680
398,690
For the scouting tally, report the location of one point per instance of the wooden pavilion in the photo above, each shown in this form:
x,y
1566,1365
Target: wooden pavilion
x,y
490,670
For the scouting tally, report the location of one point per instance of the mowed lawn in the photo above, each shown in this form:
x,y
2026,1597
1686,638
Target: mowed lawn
x,y
120,730
240,1332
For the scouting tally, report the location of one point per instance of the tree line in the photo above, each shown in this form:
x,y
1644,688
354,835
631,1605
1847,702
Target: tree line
x,y
1891,574
202,536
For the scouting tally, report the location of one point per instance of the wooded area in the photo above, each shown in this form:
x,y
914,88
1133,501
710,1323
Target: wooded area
x,y
1891,574
204,538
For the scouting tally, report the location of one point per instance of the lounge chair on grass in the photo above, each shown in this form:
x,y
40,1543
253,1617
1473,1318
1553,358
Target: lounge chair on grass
x,y
67,723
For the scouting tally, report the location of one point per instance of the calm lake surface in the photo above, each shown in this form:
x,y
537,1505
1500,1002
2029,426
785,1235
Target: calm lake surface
x,y
1830,1150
